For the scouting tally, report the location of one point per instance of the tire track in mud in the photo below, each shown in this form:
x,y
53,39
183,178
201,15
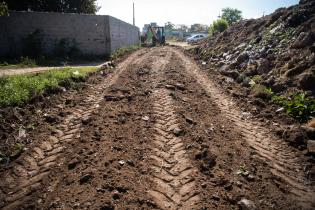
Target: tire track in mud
x,y
285,162
172,171
28,172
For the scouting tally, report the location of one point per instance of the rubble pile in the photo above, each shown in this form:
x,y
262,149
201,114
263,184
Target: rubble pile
x,y
277,51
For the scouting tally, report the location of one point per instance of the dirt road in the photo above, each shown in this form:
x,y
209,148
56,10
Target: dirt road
x,y
156,133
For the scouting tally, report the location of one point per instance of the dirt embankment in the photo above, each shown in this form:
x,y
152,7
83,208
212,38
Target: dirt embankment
x,y
263,61
279,47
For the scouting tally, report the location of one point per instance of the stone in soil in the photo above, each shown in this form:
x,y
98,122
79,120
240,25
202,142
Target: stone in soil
x,y
177,131
311,146
170,87
85,178
246,204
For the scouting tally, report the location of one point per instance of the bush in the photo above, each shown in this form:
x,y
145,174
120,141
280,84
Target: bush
x,y
298,106
218,26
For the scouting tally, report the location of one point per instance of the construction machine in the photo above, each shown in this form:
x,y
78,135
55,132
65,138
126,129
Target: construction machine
x,y
154,35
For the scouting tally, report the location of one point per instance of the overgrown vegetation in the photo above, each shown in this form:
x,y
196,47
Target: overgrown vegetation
x,y
16,90
298,106
218,26
124,50
24,62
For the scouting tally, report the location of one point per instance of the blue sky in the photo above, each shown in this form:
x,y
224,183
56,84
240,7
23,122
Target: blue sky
x,y
186,11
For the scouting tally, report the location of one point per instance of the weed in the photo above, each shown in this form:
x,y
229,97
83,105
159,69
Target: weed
x,y
24,62
242,171
261,91
298,106
31,126
124,50
18,148
256,78
16,90
4,63
27,62
269,91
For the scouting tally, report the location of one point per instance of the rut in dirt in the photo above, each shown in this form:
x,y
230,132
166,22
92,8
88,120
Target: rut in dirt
x,y
139,150
18,184
284,161
173,172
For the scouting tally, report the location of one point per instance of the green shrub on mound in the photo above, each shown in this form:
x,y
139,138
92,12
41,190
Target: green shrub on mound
x,y
298,106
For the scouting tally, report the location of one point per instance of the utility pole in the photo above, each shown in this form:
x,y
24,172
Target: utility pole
x,y
133,7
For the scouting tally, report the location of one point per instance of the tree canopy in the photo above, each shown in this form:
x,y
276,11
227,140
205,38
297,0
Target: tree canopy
x,y
65,6
169,26
195,28
231,15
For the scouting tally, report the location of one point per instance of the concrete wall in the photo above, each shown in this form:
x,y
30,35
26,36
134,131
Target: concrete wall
x,y
122,34
93,34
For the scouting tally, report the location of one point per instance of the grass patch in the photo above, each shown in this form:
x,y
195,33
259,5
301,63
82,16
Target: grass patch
x,y
124,50
24,62
297,105
19,89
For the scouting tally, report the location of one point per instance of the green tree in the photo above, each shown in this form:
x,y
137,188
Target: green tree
x,y
195,28
66,6
3,9
231,15
218,26
183,28
169,26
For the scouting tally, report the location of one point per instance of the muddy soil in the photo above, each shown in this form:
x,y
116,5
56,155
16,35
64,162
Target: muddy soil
x,y
156,133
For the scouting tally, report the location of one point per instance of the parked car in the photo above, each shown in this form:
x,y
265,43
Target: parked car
x,y
196,37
